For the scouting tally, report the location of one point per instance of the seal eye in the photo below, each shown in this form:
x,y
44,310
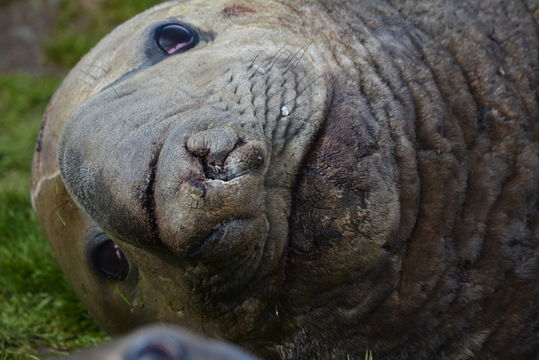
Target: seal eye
x,y
175,38
109,260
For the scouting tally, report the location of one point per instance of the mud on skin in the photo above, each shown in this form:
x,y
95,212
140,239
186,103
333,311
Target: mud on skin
x,y
305,179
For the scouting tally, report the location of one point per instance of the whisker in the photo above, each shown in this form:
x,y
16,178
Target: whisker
x,y
302,90
298,59
85,82
271,59
88,74
115,92
277,60
98,67
254,59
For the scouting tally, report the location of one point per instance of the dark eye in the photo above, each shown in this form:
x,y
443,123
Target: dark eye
x,y
175,38
162,348
109,260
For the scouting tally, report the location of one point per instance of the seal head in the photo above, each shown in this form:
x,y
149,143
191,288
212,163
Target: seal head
x,y
180,156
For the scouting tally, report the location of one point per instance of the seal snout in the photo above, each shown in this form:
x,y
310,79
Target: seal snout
x,y
209,199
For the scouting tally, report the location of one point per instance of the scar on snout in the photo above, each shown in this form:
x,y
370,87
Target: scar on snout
x,y
237,10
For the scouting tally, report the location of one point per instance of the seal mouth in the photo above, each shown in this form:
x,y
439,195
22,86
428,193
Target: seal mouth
x,y
225,261
218,242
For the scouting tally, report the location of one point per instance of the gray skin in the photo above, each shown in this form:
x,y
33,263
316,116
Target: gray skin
x,y
159,342
313,180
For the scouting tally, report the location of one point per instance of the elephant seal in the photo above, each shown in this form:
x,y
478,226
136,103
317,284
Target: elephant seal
x,y
162,343
307,179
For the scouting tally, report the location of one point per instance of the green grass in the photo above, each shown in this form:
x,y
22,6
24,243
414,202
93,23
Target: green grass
x,y
368,355
39,314
22,100
79,26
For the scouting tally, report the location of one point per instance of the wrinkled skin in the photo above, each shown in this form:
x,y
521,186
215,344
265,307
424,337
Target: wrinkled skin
x,y
312,180
162,342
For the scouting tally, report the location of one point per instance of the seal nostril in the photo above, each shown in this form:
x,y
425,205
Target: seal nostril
x,y
240,142
201,153
223,155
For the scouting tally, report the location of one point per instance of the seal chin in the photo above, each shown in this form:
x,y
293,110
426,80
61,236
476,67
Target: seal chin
x,y
228,258
221,240
232,239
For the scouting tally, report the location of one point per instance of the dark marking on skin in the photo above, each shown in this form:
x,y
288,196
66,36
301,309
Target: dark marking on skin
x,y
237,10
39,140
492,36
292,249
241,141
197,181
147,194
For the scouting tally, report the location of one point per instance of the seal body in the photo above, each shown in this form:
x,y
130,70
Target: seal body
x,y
306,179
